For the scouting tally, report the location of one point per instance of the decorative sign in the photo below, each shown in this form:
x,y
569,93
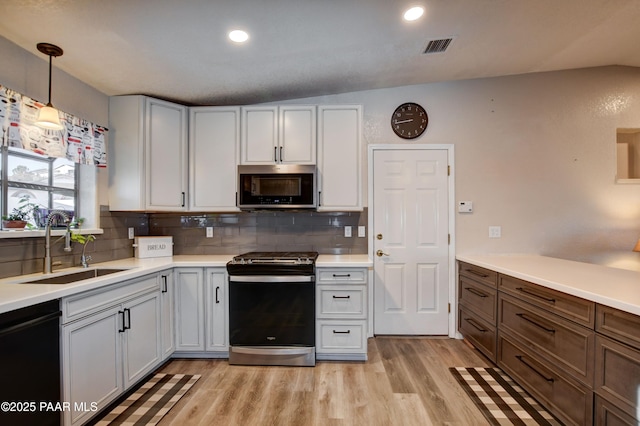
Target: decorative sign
x,y
80,141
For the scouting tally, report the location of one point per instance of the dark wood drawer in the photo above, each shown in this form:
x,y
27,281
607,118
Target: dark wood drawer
x,y
619,325
486,276
574,308
481,334
479,298
618,373
607,414
568,399
561,341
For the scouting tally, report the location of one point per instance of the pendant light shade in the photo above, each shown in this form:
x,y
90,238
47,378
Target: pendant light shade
x,y
48,117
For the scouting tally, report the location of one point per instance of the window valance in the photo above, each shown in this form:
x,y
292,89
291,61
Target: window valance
x,y
80,141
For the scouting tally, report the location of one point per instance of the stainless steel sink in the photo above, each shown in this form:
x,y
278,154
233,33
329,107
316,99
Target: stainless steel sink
x,y
75,276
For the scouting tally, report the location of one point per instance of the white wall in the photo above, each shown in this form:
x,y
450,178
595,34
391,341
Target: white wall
x,y
536,155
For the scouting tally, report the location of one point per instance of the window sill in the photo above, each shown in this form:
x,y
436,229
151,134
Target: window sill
x,y
26,233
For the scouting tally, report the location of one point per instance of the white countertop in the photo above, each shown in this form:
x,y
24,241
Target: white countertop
x,y
15,296
617,288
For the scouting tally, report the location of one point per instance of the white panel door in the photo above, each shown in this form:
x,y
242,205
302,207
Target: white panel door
x,y
411,253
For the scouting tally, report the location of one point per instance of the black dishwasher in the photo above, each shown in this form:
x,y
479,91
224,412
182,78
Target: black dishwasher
x,y
30,365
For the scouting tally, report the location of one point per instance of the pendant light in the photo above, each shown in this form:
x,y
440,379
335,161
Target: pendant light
x,y
48,116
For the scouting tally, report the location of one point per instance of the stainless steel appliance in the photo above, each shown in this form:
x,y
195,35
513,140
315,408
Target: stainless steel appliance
x,y
281,186
272,308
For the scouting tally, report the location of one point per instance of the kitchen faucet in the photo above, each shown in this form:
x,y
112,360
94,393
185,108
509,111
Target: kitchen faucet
x,y
47,238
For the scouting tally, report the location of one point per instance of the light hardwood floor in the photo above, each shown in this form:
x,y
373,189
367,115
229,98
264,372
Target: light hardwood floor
x,y
405,382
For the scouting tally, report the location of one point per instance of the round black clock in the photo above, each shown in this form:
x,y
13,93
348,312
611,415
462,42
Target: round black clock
x,y
409,120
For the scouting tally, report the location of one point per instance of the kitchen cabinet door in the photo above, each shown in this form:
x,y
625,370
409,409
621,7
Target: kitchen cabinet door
x,y
282,135
339,158
92,366
217,313
259,135
189,309
141,348
166,314
214,153
147,154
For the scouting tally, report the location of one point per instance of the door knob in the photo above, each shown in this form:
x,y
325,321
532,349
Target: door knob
x,y
380,253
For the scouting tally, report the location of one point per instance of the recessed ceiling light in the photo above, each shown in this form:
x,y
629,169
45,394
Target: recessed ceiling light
x,y
238,36
413,13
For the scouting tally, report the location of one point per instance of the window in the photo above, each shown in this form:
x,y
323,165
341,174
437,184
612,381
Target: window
x,y
51,183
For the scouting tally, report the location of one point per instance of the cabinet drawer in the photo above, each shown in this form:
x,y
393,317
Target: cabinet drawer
x,y
618,373
574,308
607,414
486,276
480,333
341,336
479,298
566,398
82,304
619,325
341,301
556,338
342,275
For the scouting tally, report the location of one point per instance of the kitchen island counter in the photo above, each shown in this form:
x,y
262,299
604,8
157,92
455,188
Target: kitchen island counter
x,y
617,288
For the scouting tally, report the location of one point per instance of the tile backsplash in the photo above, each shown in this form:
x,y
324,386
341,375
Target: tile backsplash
x,y
233,233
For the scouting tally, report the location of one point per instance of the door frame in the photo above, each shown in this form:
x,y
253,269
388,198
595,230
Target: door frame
x,y
451,224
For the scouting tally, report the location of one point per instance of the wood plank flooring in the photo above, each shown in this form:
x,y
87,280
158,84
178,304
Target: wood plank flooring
x,y
405,382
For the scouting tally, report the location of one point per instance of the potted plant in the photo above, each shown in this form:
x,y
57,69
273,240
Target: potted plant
x,y
19,216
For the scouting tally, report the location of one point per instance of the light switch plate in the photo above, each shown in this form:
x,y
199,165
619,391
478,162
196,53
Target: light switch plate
x,y
347,231
495,231
465,206
131,233
362,231
209,231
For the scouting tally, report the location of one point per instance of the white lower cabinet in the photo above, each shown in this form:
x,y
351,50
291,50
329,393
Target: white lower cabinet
x,y
112,340
341,314
201,313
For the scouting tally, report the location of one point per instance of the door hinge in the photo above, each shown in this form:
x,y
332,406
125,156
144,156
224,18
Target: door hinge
x,y
449,308
448,170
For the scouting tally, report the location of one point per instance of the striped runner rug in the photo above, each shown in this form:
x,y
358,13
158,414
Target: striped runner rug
x,y
500,399
148,404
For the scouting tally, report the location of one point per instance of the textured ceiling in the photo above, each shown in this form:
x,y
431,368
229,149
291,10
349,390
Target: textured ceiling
x,y
178,50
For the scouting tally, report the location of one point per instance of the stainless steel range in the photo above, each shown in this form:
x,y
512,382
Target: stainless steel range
x,y
272,308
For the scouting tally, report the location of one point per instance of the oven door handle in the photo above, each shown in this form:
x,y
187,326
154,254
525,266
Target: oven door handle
x,y
272,278
271,350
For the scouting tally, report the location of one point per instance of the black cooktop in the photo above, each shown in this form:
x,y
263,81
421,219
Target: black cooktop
x,y
265,256
274,262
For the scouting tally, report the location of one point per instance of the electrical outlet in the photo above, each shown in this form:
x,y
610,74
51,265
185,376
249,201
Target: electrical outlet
x,y
131,234
495,232
209,231
362,232
347,231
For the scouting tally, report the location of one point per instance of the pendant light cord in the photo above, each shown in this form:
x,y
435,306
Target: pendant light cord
x,y
50,69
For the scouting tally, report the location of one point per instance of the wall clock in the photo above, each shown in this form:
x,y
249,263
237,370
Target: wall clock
x,y
409,120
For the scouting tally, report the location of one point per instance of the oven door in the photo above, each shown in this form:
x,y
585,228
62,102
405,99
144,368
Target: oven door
x,y
272,320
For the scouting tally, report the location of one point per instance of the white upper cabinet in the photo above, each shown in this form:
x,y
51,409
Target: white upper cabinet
x,y
147,154
339,158
285,134
214,152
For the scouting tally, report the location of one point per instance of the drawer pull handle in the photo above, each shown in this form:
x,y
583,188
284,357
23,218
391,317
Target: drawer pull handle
x,y
164,284
123,329
479,274
534,294
476,292
548,379
476,326
341,332
341,275
341,297
537,324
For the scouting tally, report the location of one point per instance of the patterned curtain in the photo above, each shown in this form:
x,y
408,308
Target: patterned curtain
x,y
80,141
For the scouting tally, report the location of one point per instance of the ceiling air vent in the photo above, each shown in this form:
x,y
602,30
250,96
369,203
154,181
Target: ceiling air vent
x,y
437,46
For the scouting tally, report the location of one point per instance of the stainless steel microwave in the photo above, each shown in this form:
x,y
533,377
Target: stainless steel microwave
x,y
278,186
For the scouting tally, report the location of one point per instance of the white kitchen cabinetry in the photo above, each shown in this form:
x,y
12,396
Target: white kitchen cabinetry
x,y
341,314
284,134
166,308
339,158
111,340
147,154
201,312
214,152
